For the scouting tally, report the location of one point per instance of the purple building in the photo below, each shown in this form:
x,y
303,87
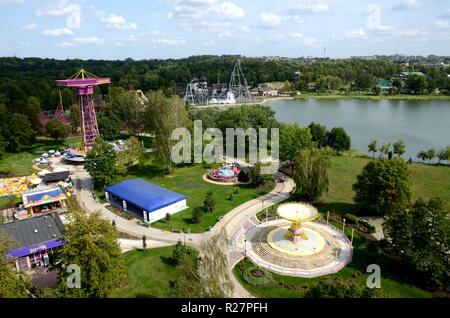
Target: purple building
x,y
36,239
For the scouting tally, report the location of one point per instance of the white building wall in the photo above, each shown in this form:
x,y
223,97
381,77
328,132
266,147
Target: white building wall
x,y
171,209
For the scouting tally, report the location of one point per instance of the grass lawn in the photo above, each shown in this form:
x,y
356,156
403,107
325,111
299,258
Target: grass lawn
x,y
148,273
393,284
428,181
188,181
20,164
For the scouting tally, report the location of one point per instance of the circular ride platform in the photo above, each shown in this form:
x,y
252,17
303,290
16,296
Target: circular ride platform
x,y
312,243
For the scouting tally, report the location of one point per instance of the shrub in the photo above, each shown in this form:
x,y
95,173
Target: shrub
x,y
365,227
350,218
167,217
256,276
209,204
196,215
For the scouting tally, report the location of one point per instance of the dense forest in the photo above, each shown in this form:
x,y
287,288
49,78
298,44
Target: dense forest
x,y
27,86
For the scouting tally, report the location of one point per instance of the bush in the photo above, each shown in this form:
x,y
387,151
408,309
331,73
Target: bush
x,y
167,217
365,227
350,218
196,215
209,204
256,276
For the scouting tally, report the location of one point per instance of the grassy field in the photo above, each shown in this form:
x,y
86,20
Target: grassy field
x,y
393,283
188,181
148,273
428,181
372,96
21,164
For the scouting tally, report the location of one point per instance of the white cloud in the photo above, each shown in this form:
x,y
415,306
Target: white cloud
x,y
30,27
168,42
64,9
11,2
272,20
88,40
407,5
355,34
64,44
313,8
307,41
211,14
116,21
57,32
409,33
440,24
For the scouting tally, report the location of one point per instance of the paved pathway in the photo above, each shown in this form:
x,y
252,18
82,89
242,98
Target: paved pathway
x,y
232,221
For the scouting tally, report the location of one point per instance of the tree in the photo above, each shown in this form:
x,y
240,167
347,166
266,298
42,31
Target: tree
x,y
74,117
12,282
32,110
196,215
258,178
416,83
163,115
365,81
399,148
144,242
384,149
292,140
209,204
181,251
130,155
431,154
92,245
20,132
338,139
57,130
373,148
101,163
444,154
311,174
420,238
383,186
318,134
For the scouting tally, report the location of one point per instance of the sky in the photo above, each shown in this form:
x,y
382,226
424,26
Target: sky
x,y
138,29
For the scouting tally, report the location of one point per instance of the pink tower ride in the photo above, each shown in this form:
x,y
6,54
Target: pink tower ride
x,y
84,83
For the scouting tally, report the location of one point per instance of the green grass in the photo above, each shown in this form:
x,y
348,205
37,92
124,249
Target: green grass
x,y
428,181
371,96
21,164
148,273
393,283
189,181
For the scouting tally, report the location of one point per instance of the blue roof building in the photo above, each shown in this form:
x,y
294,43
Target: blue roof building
x,y
145,200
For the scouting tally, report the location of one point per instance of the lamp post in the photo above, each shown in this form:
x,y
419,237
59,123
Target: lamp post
x,y
245,247
343,226
328,216
353,230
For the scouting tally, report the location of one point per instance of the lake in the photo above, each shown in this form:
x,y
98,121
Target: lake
x,y
421,124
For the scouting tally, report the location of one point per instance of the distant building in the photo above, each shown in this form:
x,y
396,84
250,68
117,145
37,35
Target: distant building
x,y
385,85
264,92
44,200
36,240
144,200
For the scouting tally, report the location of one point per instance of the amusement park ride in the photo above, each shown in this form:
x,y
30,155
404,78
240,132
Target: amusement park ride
x,y
84,83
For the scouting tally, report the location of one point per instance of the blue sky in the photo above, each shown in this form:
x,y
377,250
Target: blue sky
x,y
113,29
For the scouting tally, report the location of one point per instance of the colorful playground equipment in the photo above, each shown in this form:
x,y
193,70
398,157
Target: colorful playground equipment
x,y
84,83
226,173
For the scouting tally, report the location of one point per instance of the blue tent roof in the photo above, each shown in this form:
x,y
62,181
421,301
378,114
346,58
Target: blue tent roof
x,y
145,195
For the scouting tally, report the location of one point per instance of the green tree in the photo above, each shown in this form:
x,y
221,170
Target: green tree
x,y
209,204
319,134
196,215
365,81
32,110
258,178
373,148
12,282
92,245
74,117
420,238
399,148
384,149
444,154
292,140
338,139
416,83
383,186
57,130
130,155
101,163
162,117
311,174
20,132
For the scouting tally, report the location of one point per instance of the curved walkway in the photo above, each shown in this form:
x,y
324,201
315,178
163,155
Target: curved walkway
x,y
233,221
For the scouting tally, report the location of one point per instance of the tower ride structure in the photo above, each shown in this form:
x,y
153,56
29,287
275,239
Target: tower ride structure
x,y
83,82
238,84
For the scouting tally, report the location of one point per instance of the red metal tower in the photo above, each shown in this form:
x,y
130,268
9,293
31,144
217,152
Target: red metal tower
x,y
84,83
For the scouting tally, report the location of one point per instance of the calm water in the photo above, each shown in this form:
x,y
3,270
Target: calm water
x,y
420,124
